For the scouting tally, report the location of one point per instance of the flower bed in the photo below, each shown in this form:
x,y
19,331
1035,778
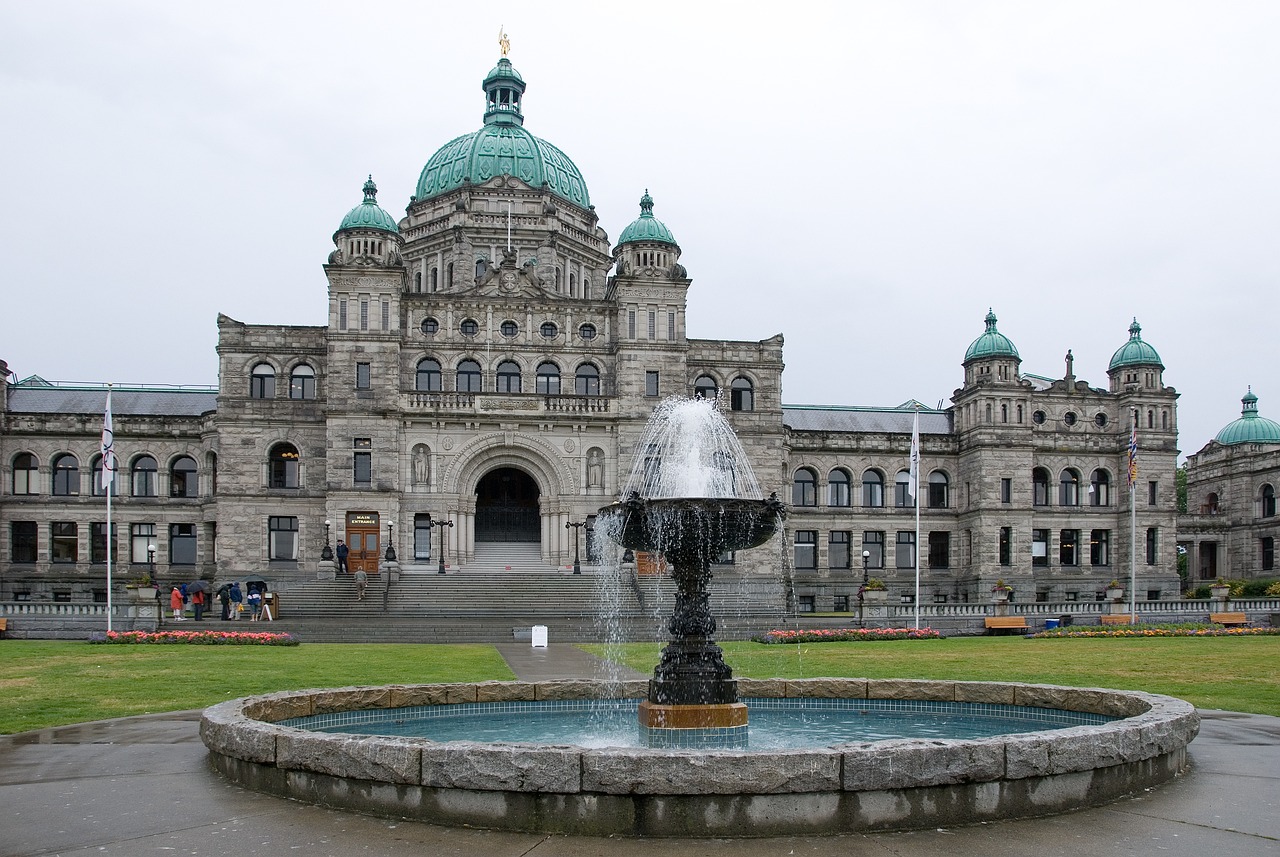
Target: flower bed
x,y
1157,631
196,638
845,635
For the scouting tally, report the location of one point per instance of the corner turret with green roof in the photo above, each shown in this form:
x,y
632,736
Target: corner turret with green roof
x,y
1135,352
646,227
368,214
1251,427
992,343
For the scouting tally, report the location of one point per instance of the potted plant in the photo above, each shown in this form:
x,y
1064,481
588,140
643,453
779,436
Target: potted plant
x,y
1115,590
1219,589
141,587
1001,590
874,590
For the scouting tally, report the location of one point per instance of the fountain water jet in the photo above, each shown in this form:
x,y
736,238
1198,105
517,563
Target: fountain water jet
x,y
691,498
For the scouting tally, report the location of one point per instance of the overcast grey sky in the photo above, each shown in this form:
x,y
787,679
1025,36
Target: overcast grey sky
x,y
866,178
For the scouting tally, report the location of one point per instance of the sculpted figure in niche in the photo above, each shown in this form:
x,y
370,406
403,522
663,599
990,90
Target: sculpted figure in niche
x,y
421,466
595,468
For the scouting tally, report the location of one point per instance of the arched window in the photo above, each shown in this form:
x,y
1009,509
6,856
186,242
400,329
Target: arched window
x,y
804,488
1069,488
1040,487
95,468
902,490
704,387
508,377
873,489
1268,501
1210,506
427,378
838,488
283,461
26,474
435,279
262,383
468,377
587,381
548,379
417,281
1100,488
66,476
742,395
938,490
183,480
144,476
302,383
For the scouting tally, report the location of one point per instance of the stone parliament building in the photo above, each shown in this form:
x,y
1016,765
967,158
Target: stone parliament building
x,y
490,361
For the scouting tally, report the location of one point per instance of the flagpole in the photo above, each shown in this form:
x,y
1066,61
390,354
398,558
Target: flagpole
x,y
1133,521
915,490
108,482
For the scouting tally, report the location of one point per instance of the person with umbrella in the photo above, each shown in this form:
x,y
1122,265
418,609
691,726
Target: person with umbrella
x,y
224,599
237,599
199,597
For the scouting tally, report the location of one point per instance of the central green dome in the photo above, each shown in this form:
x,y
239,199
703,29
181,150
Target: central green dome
x,y
503,147
1251,427
992,343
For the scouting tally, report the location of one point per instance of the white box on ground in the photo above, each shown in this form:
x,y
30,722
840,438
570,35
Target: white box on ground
x,y
539,636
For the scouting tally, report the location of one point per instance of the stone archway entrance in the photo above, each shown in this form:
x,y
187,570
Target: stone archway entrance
x,y
507,507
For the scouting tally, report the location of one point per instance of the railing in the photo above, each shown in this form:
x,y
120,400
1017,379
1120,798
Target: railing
x,y
65,609
415,400
1185,610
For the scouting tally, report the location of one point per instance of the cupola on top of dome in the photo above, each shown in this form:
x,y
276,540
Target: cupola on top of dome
x,y
368,214
1135,352
502,147
646,227
1251,427
992,343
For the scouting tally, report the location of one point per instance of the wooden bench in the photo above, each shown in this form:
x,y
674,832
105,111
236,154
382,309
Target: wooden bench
x,y
1115,619
4,627
1013,624
1228,619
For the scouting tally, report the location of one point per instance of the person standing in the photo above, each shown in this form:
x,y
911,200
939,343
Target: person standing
x,y
224,599
237,599
341,552
362,581
197,604
255,604
175,603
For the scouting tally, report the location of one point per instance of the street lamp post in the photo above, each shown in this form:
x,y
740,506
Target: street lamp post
x,y
390,555
326,553
151,561
441,525
862,602
577,565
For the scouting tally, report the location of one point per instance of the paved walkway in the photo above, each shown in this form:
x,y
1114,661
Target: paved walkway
x,y
141,786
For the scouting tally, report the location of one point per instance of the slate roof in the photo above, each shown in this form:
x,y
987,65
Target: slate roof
x,y
851,419
124,402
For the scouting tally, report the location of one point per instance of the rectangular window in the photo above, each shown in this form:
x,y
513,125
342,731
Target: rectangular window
x,y
1152,544
651,383
671,326
806,549
364,315
939,550
98,543
362,376
63,543
838,549
840,604
904,554
182,544
282,538
1268,553
631,324
1006,546
1040,548
23,539
386,315
421,537
142,543
804,604
1153,491
362,468
1069,547
653,325
873,547
1100,547
342,314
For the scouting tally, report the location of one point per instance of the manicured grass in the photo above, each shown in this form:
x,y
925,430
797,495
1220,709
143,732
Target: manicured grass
x,y
50,683
1232,673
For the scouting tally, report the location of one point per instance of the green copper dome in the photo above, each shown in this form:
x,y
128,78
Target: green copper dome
x,y
992,343
368,214
503,147
1135,352
646,227
1250,428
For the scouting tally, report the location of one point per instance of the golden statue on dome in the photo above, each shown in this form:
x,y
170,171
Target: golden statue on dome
x,y
503,42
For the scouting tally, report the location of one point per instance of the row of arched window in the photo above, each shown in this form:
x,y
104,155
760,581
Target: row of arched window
x,y
143,474
262,382
508,378
1070,487
742,395
804,489
1266,502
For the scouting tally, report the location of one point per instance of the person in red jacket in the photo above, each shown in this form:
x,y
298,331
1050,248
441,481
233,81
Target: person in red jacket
x,y
175,603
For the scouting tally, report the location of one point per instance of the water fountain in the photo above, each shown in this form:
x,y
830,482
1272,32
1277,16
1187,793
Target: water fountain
x,y
690,497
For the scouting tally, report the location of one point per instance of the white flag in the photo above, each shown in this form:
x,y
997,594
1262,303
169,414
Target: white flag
x,y
108,447
915,457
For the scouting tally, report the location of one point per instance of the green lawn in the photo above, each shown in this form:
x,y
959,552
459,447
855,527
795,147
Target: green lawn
x,y
49,683
1232,673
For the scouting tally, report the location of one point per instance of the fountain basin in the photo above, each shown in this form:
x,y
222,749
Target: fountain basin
x,y
877,785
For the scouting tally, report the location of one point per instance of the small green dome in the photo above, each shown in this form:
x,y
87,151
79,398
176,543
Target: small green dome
x,y
502,147
991,343
368,214
646,227
1250,428
1135,352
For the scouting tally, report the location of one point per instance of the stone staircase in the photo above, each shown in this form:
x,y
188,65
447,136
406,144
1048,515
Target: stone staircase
x,y
502,594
